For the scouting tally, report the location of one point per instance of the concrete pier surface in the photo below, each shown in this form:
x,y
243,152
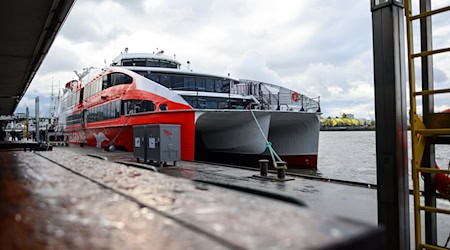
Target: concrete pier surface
x,y
63,199
323,197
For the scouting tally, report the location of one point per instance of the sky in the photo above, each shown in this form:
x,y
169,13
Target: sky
x,y
318,48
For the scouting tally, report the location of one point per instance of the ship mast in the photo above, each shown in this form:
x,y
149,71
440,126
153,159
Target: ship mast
x,y
52,104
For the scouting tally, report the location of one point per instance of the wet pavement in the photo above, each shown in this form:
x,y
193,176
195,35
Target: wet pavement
x,y
327,198
65,200
322,197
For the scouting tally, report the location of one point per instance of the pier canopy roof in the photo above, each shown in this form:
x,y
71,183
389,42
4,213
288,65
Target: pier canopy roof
x,y
28,30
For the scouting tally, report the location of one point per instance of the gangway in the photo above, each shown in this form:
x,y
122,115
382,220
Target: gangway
x,y
435,127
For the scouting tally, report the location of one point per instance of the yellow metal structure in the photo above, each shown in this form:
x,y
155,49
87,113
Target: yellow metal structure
x,y
419,132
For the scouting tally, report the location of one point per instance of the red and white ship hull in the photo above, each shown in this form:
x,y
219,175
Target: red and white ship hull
x,y
294,136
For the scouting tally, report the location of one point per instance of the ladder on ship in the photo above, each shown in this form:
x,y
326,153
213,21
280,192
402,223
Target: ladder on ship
x,y
435,127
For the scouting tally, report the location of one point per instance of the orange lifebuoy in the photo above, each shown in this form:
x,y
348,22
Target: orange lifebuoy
x,y
295,96
69,84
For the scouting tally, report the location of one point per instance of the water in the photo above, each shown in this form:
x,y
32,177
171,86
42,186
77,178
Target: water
x,y
350,155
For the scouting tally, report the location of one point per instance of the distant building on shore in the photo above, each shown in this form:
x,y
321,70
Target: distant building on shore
x,y
346,122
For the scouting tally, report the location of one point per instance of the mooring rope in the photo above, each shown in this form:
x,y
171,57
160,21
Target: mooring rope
x,y
273,154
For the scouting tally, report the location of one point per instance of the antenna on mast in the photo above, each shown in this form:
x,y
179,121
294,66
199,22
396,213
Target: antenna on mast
x,y
52,104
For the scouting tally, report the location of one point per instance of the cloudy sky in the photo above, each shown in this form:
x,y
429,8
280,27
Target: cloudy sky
x,y
318,48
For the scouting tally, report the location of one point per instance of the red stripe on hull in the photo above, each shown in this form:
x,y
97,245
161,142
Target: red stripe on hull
x,y
301,161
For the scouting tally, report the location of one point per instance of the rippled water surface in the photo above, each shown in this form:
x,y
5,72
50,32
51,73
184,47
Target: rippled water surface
x,y
350,155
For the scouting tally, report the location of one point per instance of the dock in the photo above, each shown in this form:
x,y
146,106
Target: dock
x,y
327,197
66,199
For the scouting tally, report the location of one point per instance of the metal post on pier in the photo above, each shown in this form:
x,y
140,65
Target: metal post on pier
x,y
427,110
391,121
27,124
36,123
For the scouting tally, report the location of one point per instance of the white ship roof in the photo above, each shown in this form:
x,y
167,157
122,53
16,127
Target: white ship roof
x,y
157,56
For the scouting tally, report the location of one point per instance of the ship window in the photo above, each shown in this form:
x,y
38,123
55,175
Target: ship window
x,y
226,86
143,106
98,85
112,110
105,109
120,78
81,96
222,104
139,62
218,85
154,77
117,104
163,107
192,101
189,83
177,82
209,85
211,104
127,62
86,95
136,106
201,102
200,84
74,119
106,81
222,86
101,112
151,63
165,80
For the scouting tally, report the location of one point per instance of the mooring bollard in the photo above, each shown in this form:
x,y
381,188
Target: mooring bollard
x,y
281,170
263,166
281,173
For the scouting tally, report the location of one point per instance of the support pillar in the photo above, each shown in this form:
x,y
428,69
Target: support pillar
x,y
391,122
428,108
36,123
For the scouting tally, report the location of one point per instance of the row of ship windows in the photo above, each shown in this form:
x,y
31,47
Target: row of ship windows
x,y
113,110
117,108
171,81
200,102
107,81
96,86
190,83
149,63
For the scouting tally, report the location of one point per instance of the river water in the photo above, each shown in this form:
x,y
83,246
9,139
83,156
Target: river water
x,y
350,155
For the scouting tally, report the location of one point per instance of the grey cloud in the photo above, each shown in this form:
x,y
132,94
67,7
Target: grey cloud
x,y
82,28
136,6
335,41
439,75
60,59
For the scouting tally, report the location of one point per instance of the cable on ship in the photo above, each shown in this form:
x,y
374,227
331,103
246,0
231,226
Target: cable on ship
x,y
111,143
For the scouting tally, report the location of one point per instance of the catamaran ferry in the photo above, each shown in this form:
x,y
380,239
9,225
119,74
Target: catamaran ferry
x,y
217,114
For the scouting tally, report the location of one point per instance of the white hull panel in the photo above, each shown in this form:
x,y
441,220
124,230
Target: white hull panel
x,y
235,131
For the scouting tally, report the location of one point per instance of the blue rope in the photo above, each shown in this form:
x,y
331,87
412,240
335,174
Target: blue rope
x,y
272,152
